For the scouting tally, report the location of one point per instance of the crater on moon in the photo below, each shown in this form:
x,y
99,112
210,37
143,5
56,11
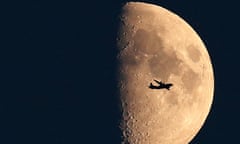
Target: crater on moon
x,y
146,42
162,63
191,80
193,53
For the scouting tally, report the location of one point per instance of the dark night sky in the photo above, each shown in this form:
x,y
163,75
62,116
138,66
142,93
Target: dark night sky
x,y
58,68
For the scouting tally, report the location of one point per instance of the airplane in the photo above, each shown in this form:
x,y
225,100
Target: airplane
x,y
161,85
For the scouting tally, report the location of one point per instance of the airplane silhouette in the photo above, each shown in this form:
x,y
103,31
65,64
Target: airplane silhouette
x,y
161,85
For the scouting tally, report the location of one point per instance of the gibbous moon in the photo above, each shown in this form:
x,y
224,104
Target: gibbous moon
x,y
156,44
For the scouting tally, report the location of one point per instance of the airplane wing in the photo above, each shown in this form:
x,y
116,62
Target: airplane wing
x,y
159,82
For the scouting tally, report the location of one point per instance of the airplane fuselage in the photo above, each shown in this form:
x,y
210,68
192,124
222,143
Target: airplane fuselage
x,y
160,86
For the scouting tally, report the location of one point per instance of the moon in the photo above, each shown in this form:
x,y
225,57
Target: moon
x,y
154,43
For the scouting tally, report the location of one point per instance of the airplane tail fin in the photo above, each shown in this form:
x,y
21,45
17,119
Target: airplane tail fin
x,y
151,85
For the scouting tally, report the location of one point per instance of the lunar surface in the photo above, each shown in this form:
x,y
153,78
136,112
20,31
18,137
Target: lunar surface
x,y
156,44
